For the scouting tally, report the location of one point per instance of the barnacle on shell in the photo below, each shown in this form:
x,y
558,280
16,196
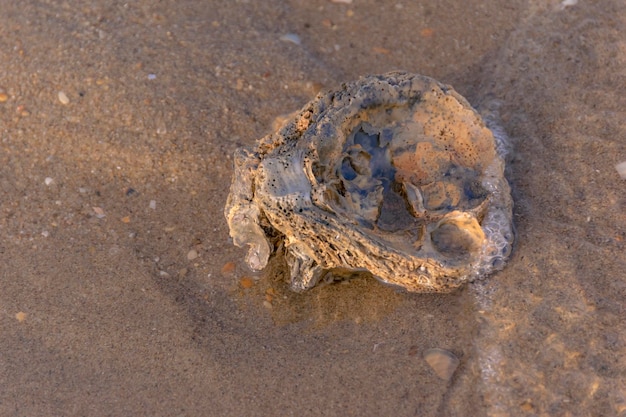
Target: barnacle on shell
x,y
393,174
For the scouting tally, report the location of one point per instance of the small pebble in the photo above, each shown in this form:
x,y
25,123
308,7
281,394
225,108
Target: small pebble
x,y
267,304
3,97
341,1
621,169
427,32
228,268
22,111
21,316
48,181
380,50
152,204
126,219
99,212
246,282
527,406
152,76
63,98
442,361
45,233
192,254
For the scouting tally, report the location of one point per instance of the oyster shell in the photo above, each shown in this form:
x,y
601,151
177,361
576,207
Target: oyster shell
x,y
393,174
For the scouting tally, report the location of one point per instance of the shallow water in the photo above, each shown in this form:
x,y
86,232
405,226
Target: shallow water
x,y
105,308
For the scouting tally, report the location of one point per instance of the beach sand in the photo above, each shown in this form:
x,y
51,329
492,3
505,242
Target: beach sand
x,y
121,293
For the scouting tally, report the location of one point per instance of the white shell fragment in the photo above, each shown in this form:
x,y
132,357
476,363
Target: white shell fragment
x,y
621,169
63,98
393,174
291,37
443,362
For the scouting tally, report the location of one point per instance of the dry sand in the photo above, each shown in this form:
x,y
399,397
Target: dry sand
x,y
120,293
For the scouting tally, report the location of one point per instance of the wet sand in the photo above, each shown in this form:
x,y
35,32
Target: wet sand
x,y
121,294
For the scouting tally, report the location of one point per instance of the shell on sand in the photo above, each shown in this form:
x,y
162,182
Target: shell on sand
x,y
395,174
442,361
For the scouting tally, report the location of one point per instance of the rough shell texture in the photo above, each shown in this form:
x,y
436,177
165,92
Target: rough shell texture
x,y
393,174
